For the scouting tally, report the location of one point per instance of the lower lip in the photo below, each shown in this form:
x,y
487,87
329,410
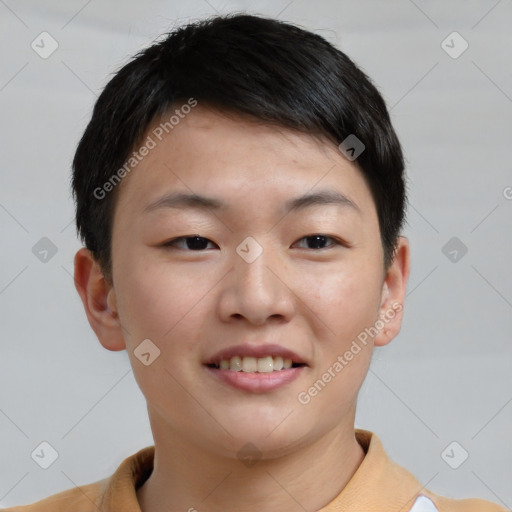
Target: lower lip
x,y
256,382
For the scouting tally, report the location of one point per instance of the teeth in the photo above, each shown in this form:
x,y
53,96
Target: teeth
x,y
265,364
255,364
235,364
249,364
278,363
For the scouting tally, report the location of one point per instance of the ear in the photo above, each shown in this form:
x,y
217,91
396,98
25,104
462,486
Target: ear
x,y
99,300
393,294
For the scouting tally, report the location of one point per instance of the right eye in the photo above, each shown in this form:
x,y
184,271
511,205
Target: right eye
x,y
192,243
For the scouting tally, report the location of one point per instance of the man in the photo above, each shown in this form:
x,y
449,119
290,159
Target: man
x,y
240,194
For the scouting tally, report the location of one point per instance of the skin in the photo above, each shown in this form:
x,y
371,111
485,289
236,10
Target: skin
x,y
191,304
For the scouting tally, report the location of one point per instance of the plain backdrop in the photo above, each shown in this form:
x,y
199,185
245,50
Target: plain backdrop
x,y
446,378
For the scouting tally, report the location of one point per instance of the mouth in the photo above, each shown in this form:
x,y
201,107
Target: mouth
x,y
248,364
255,368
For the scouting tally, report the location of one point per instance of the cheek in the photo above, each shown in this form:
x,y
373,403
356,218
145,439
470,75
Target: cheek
x,y
164,307
348,301
155,302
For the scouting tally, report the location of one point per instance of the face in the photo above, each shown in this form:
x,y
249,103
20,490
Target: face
x,y
260,277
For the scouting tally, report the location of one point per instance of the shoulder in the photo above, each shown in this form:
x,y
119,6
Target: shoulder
x,y
118,489
85,497
444,504
383,484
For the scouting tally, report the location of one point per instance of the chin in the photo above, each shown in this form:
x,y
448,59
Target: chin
x,y
272,436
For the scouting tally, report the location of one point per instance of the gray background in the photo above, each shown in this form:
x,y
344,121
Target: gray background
x,y
445,378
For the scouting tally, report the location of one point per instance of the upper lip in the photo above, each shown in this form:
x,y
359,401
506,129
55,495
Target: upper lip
x,y
251,350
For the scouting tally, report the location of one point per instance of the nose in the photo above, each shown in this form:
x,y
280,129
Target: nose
x,y
258,291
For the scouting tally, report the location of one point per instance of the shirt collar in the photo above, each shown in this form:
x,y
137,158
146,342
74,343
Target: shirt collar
x,y
378,483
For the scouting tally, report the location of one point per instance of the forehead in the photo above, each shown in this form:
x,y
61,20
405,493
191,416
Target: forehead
x,y
212,153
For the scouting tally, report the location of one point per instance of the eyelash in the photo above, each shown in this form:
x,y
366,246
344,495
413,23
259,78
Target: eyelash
x,y
170,243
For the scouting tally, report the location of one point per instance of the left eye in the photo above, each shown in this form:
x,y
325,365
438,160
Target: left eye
x,y
318,241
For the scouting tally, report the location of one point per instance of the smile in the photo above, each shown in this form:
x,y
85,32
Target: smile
x,y
250,364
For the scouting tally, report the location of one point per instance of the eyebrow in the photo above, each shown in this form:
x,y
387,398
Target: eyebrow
x,y
181,200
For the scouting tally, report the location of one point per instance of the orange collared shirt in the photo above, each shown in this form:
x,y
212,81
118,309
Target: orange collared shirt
x,y
378,485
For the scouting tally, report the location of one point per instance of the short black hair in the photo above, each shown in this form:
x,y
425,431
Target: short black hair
x,y
262,68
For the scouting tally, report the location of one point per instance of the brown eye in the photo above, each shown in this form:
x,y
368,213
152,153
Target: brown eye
x,y
191,243
318,241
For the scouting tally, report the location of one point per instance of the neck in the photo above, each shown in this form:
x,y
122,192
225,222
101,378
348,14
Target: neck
x,y
189,478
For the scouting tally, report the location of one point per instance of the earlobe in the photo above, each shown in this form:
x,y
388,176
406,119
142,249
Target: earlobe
x,y
99,301
393,294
